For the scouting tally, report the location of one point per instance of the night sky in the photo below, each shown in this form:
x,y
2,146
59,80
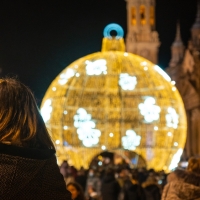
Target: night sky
x,y
38,39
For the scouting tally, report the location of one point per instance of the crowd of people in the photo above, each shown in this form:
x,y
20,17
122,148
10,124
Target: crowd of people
x,y
29,170
123,183
114,182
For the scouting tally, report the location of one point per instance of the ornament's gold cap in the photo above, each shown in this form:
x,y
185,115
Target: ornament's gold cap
x,y
113,43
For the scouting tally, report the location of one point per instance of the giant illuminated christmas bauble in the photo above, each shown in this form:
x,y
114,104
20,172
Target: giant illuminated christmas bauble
x,y
115,100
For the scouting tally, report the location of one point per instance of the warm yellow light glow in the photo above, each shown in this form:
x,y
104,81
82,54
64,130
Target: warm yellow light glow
x,y
173,88
142,15
133,16
54,88
95,111
152,16
173,82
111,134
155,128
169,134
57,141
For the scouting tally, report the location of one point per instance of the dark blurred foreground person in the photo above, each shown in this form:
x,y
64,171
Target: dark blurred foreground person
x,y
28,168
182,184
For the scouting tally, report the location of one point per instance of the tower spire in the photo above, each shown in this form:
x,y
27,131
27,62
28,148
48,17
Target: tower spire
x,y
177,48
195,31
178,40
197,21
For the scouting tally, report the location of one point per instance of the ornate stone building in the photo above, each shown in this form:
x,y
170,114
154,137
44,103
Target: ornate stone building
x,y
184,68
142,39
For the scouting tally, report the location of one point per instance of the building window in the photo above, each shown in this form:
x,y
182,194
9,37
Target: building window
x,y
133,16
142,15
152,16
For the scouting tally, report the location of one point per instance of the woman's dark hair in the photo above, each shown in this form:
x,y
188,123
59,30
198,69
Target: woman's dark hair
x,y
20,121
79,189
194,165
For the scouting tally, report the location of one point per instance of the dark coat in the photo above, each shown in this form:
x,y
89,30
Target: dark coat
x,y
182,185
152,189
28,174
81,179
133,191
110,188
152,192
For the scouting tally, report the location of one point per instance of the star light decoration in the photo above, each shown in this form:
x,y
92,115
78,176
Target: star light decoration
x,y
149,110
86,128
46,110
96,68
131,140
127,82
172,118
64,77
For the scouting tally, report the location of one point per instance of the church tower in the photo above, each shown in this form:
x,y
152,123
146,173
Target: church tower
x,y
142,39
184,69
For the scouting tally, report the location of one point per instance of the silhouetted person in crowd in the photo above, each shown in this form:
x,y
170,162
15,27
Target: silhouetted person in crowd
x,y
93,181
132,189
122,175
92,194
151,188
28,167
142,175
184,184
64,168
76,191
110,187
81,178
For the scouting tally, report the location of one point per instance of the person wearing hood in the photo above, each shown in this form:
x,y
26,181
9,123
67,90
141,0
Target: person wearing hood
x,y
151,188
110,187
132,188
28,166
184,184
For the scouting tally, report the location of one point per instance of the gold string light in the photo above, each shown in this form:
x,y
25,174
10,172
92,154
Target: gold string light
x,y
114,100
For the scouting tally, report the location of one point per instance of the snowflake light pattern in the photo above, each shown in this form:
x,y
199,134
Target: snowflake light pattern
x,y
64,77
172,118
96,68
131,140
46,110
86,128
149,110
127,82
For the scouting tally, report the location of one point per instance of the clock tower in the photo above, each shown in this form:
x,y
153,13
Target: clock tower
x,y
142,39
